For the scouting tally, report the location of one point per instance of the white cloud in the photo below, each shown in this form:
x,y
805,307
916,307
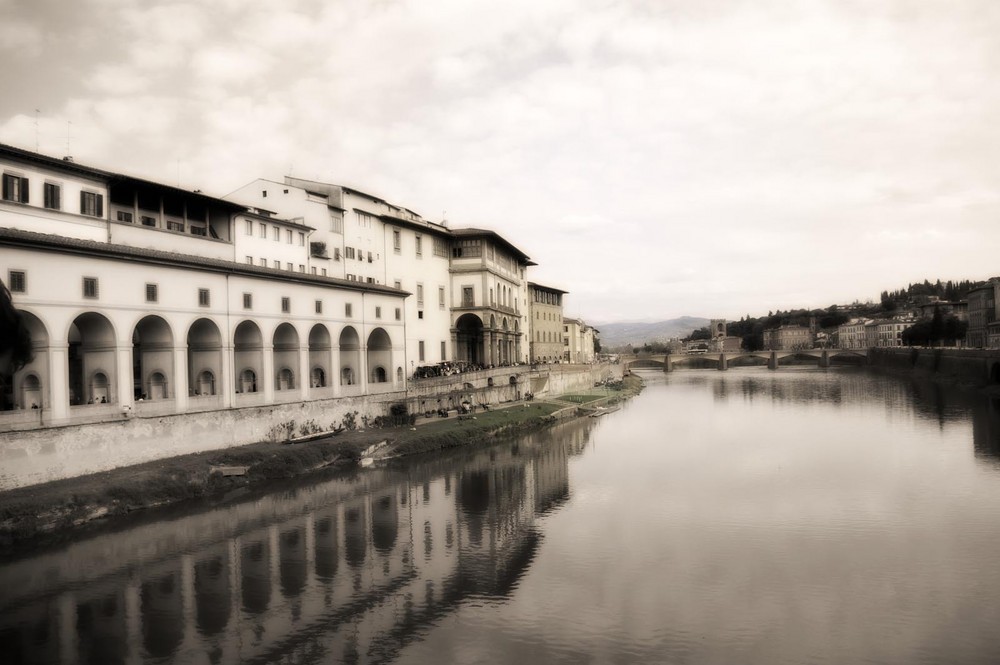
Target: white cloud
x,y
626,146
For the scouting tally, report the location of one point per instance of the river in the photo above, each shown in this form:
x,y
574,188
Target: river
x,y
748,516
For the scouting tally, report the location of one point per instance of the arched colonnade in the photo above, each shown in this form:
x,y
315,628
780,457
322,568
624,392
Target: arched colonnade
x,y
94,361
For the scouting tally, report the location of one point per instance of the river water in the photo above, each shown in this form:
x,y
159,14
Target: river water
x,y
748,516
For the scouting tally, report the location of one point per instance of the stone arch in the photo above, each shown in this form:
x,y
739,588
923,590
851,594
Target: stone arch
x,y
379,355
469,337
319,356
286,356
248,352
91,353
350,356
14,395
152,353
204,358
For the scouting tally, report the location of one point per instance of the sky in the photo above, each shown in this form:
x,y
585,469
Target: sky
x,y
656,158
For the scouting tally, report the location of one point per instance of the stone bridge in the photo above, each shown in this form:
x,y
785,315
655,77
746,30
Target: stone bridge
x,y
669,362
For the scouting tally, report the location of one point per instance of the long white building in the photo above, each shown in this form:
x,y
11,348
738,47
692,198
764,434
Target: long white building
x,y
146,299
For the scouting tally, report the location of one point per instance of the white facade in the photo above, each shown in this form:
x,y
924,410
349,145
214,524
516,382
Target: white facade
x,y
545,317
162,316
578,341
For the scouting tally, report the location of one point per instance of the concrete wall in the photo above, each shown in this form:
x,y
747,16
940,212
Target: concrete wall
x,y
974,366
32,457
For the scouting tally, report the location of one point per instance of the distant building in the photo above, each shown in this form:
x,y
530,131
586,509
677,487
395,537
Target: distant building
x,y
959,309
545,323
578,341
982,316
788,338
887,333
851,335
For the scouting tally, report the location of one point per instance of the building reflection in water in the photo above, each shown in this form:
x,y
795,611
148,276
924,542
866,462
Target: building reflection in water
x,y
945,404
349,569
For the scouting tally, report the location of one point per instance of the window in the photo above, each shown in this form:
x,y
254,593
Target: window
x,y
420,350
249,228
351,278
286,305
467,248
263,263
313,269
399,314
440,247
290,267
420,295
173,225
199,231
277,264
247,301
302,239
91,204
378,312
146,220
89,287
468,297
336,222
420,246
347,309
302,267
397,284
369,256
277,233
53,195
397,241
441,297
370,280
361,254
319,306
15,188
288,236
17,279
420,314
250,260
123,216
204,298
336,253
443,350
262,229
152,294
349,252
324,272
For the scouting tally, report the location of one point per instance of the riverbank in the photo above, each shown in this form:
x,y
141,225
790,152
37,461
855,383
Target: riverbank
x,y
40,511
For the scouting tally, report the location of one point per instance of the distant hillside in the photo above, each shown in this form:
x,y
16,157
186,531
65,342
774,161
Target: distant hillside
x,y
636,333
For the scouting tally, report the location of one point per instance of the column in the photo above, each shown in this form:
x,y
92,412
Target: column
x,y
334,377
363,369
267,377
454,345
226,385
123,375
305,375
181,386
58,380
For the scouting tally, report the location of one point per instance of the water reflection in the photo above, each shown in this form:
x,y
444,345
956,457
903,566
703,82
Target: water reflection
x,y
944,404
349,569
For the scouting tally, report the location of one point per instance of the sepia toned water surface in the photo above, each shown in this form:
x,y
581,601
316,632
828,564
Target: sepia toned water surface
x,y
746,516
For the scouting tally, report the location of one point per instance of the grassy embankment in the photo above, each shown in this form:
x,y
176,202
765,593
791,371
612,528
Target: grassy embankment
x,y
37,510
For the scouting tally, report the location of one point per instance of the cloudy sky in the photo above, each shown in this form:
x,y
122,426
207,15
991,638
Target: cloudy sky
x,y
657,159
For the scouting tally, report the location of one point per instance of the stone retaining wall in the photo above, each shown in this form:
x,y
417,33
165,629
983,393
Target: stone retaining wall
x,y
41,455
